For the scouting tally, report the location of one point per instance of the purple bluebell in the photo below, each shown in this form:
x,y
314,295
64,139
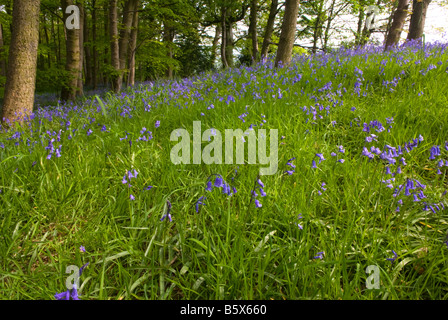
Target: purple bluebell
x,y
167,212
433,152
199,202
394,258
299,225
320,156
319,255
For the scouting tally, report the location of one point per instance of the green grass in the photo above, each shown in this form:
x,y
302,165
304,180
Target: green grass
x,y
231,249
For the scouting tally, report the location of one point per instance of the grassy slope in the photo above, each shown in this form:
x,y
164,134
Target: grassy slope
x,y
231,249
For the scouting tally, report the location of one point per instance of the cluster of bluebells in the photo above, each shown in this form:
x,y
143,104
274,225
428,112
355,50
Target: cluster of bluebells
x,y
219,182
433,206
321,158
50,147
215,181
412,188
72,293
373,124
129,175
435,152
258,186
146,135
340,150
322,186
389,153
290,171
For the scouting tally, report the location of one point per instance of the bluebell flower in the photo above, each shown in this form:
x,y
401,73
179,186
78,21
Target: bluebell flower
x,y
299,225
199,202
394,258
434,151
168,212
258,204
209,186
319,255
320,156
218,182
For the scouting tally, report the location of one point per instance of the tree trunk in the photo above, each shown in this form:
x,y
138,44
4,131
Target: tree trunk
x,y
399,17
215,42
418,17
2,50
132,48
87,52
21,76
327,28
79,88
253,30
361,16
269,29
229,44
105,76
168,37
73,59
128,14
225,64
114,48
287,36
94,47
317,26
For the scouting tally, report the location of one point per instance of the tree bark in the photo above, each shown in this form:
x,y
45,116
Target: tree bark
x,y
21,76
73,63
253,30
132,48
168,37
225,64
327,28
87,53
269,28
215,42
317,26
128,14
361,16
79,89
116,79
418,17
2,50
229,44
399,17
94,47
287,36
